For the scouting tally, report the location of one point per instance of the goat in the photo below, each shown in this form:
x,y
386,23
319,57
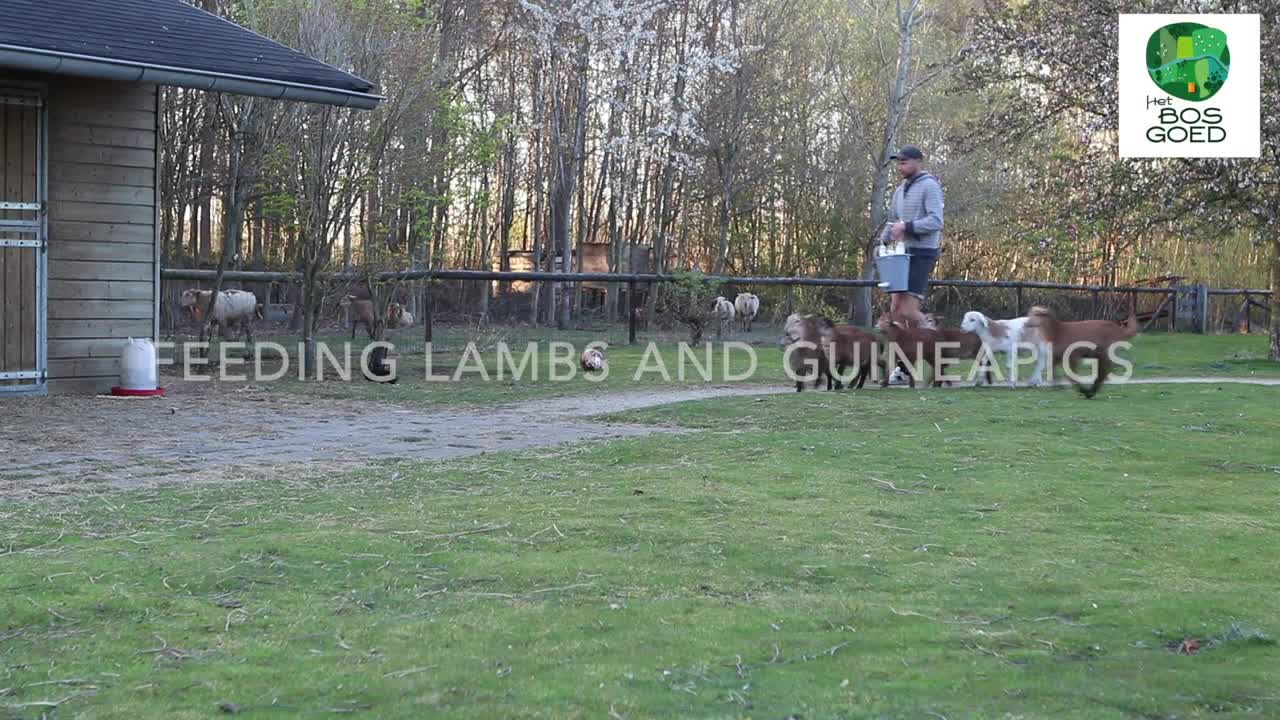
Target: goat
x,y
914,343
1007,336
747,306
1071,342
846,346
394,318
231,307
967,345
809,357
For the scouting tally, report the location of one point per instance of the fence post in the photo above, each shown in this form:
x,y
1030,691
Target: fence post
x,y
1017,312
1096,302
1173,310
631,312
790,298
426,312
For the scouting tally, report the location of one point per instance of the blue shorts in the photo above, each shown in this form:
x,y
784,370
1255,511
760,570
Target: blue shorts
x,y
922,262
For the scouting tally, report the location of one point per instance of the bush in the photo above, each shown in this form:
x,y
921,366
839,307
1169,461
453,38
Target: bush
x,y
689,300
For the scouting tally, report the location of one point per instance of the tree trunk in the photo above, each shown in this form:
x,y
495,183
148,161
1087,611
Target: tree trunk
x,y
1275,295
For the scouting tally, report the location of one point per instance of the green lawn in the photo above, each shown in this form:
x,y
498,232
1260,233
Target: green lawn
x,y
957,554
1153,355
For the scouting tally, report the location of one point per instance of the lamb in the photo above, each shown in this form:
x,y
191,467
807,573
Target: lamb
x,y
747,306
1007,336
846,346
806,359
1072,342
232,307
724,312
398,318
914,343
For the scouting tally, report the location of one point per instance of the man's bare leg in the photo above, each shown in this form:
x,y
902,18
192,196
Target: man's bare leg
x,y
905,308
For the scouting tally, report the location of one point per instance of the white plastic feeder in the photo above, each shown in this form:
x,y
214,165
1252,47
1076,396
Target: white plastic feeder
x,y
139,369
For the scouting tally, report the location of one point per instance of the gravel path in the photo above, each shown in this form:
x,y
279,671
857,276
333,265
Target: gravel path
x,y
69,444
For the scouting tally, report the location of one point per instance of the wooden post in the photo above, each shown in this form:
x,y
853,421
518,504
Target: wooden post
x,y
426,312
790,299
631,312
1173,310
1095,311
1017,312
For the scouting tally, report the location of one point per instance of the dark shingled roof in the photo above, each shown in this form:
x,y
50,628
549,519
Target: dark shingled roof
x,y
168,33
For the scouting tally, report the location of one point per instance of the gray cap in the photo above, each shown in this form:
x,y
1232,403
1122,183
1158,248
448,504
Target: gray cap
x,y
910,152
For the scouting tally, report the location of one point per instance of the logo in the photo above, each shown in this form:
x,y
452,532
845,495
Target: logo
x,y
1189,60
1189,86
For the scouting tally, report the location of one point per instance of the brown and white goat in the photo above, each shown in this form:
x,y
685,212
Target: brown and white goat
x,y
807,358
1070,342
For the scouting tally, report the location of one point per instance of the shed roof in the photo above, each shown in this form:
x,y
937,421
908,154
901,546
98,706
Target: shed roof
x,y
167,42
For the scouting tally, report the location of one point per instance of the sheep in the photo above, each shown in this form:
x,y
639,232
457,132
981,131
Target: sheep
x,y
1083,339
724,312
846,346
1007,336
914,343
232,307
807,358
398,318
747,306
592,359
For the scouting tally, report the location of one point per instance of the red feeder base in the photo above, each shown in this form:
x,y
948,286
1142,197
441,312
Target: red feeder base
x,y
122,392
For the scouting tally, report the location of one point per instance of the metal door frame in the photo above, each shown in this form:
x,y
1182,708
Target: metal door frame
x,y
33,96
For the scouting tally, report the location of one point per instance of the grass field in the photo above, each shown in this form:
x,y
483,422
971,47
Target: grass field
x,y
1153,355
953,554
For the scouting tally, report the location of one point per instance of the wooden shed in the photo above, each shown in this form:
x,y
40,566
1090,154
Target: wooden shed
x,y
79,128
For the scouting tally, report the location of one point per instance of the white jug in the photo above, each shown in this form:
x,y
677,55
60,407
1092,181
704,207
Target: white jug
x,y
139,367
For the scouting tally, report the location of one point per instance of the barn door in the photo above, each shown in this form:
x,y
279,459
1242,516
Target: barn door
x,y
22,241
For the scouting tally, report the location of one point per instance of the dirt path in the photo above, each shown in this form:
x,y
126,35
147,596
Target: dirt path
x,y
64,445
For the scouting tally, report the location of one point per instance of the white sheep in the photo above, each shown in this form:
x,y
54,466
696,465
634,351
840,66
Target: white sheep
x,y
1008,336
232,307
724,312
747,305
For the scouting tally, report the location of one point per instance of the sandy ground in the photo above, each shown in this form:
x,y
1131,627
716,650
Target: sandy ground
x,y
66,444
209,433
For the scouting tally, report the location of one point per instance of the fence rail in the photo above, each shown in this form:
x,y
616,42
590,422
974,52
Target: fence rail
x,y
631,280
649,278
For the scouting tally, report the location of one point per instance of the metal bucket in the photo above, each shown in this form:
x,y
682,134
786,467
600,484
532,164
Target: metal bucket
x,y
894,269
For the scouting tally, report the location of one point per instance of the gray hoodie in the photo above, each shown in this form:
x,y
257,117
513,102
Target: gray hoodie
x,y
918,202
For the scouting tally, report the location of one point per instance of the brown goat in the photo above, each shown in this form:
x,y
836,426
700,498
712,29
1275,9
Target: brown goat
x,y
847,346
970,345
914,344
810,356
1074,341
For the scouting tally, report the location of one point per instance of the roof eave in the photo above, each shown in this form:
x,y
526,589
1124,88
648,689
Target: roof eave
x,y
60,63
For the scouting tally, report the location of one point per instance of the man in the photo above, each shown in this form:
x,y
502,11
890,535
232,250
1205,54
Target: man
x,y
915,217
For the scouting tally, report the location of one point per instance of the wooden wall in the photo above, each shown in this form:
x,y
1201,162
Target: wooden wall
x,y
103,240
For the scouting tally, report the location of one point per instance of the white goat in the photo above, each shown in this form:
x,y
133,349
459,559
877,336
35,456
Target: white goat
x,y
232,307
1008,336
747,305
